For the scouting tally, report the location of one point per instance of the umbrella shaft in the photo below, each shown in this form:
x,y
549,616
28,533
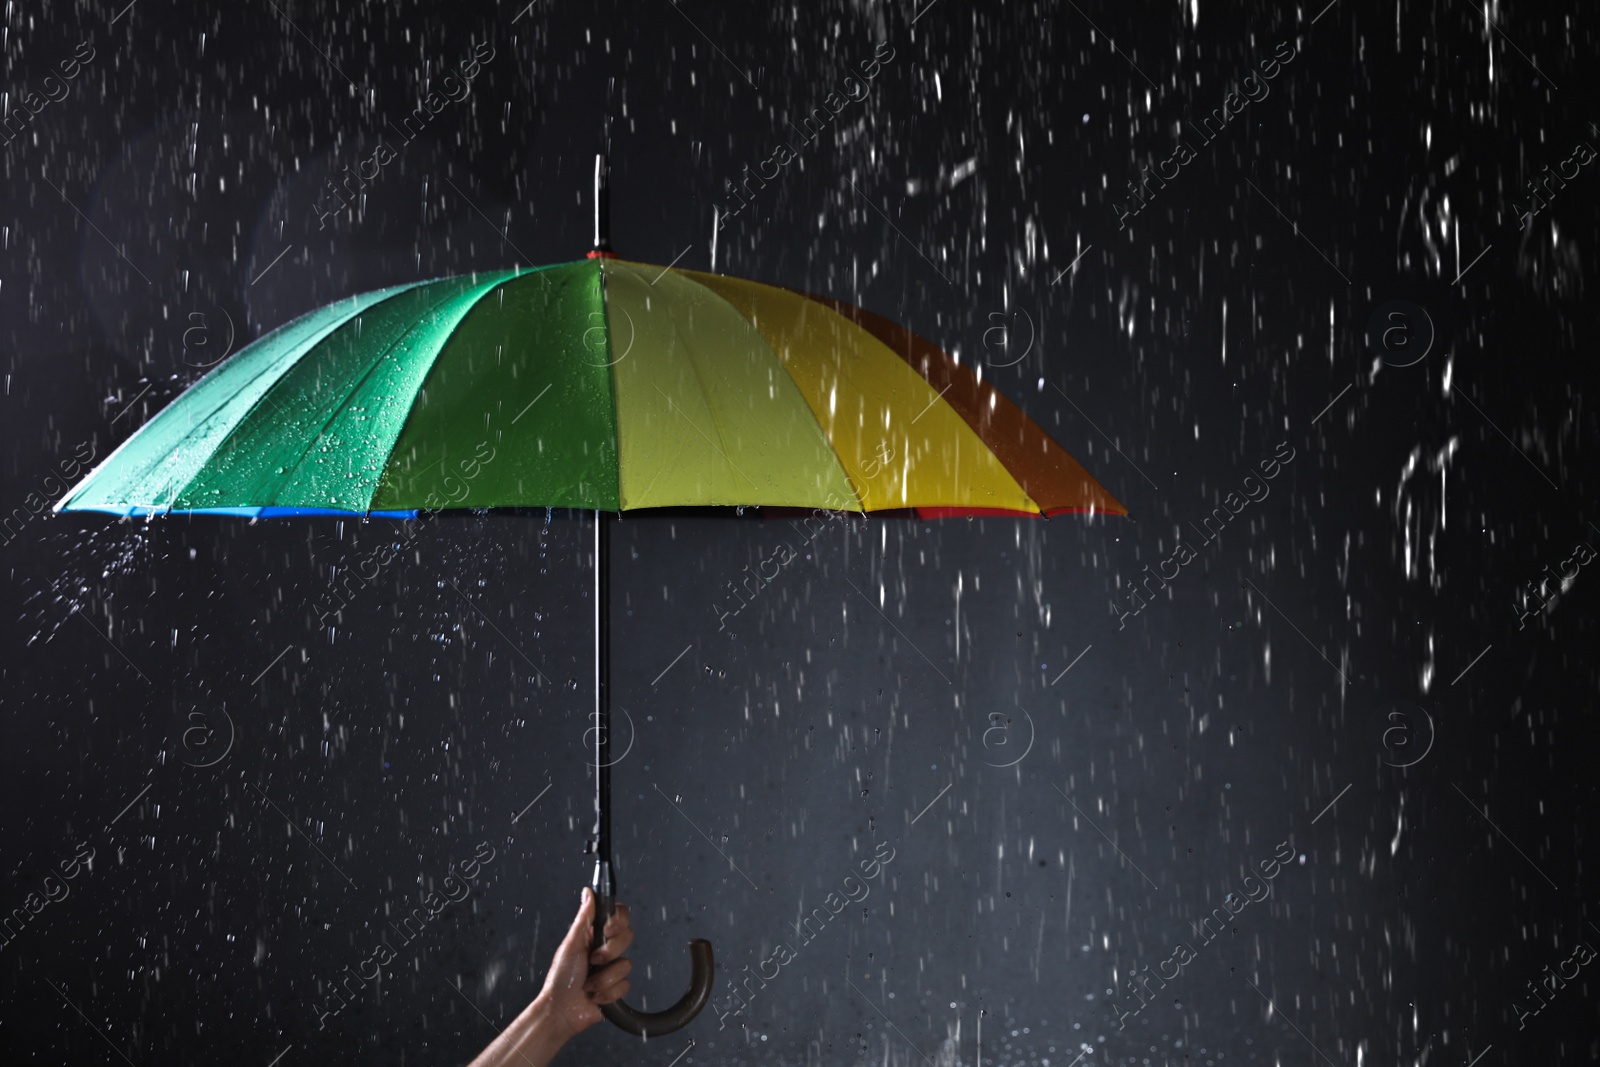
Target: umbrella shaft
x,y
602,883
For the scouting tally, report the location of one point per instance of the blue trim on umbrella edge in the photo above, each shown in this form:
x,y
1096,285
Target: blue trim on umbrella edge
x,y
132,511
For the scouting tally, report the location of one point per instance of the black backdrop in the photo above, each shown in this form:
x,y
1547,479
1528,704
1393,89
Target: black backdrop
x,y
1069,789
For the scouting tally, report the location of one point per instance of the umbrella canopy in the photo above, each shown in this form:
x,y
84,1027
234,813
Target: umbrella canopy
x,y
600,384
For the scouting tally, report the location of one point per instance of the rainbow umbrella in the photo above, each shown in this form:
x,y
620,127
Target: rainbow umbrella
x,y
601,385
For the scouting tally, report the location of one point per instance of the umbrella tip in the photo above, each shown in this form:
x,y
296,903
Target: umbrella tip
x,y
602,211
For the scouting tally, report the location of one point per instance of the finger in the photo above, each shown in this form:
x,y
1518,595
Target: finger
x,y
579,934
618,924
612,994
588,1013
616,947
585,906
604,979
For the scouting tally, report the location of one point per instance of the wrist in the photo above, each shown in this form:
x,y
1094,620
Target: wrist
x,y
543,1032
532,1040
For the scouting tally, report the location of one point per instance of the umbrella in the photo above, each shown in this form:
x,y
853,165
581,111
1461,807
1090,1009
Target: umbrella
x,y
601,385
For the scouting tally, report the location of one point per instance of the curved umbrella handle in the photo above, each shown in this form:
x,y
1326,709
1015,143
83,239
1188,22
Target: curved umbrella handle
x,y
655,1023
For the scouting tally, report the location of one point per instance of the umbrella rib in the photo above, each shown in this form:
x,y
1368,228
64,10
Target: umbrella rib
x,y
373,369
898,342
823,432
283,366
342,404
702,433
145,468
603,304
638,274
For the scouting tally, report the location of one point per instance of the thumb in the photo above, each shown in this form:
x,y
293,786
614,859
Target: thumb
x,y
582,926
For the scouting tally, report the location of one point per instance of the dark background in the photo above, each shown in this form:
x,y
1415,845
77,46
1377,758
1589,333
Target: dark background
x,y
283,787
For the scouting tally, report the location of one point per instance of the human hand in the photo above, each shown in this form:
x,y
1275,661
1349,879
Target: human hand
x,y
570,1001
572,994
